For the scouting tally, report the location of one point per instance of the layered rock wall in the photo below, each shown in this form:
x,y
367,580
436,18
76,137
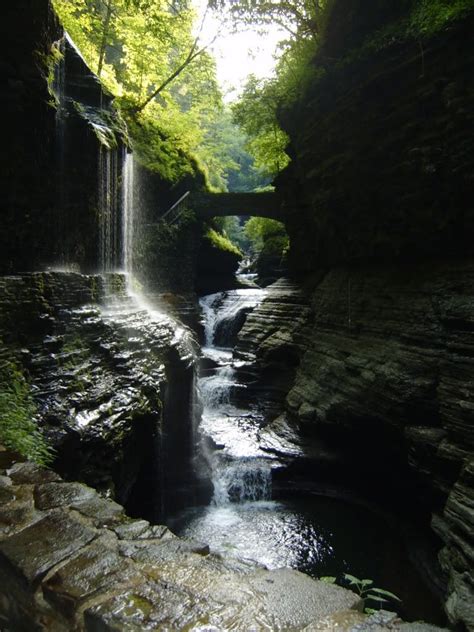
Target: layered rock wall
x,y
105,375
381,149
379,209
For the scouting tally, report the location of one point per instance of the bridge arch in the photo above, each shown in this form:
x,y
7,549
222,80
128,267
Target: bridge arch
x,y
266,204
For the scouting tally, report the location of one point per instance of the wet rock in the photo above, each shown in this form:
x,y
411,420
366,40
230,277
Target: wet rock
x,y
132,530
98,569
351,621
151,552
99,367
269,346
17,510
53,495
295,599
455,527
28,472
148,607
36,549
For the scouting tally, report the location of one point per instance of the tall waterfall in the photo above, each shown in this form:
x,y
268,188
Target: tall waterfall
x,y
239,471
59,91
128,200
109,209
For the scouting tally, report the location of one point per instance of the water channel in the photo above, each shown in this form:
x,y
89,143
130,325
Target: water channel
x,y
319,535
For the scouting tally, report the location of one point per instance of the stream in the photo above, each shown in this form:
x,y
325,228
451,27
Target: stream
x,y
318,535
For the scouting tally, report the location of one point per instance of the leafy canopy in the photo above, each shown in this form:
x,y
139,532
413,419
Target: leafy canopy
x,y
148,55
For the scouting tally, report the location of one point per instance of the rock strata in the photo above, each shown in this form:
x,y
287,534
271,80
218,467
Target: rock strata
x,y
65,569
382,388
106,376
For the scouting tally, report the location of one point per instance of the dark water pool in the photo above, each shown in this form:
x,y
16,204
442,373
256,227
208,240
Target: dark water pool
x,y
320,536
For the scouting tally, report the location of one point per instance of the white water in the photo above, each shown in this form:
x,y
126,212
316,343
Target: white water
x,y
109,209
128,191
239,470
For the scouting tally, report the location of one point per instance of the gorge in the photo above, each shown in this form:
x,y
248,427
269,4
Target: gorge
x,y
211,434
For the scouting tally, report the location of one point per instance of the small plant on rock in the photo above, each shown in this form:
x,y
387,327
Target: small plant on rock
x,y
368,592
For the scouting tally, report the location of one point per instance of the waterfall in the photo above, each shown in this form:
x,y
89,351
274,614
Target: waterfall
x,y
109,209
128,201
243,480
239,471
224,313
59,94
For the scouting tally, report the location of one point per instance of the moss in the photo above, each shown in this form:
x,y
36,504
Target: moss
x,y
220,241
94,288
18,430
422,20
48,63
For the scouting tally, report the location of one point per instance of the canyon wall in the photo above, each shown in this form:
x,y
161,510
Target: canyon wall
x,y
379,208
61,139
381,147
111,384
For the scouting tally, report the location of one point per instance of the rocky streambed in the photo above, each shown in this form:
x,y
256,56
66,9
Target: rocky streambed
x,y
72,560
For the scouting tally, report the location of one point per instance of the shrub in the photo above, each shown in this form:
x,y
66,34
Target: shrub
x,y
18,430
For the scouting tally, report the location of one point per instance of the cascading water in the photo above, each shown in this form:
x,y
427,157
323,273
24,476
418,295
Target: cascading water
x,y
128,180
109,209
309,532
240,472
59,88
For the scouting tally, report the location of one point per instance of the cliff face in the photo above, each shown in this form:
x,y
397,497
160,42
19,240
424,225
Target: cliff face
x,y
379,207
27,162
112,383
60,139
381,149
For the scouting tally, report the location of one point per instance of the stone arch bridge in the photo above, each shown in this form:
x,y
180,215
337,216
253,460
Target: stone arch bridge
x,y
207,205
264,204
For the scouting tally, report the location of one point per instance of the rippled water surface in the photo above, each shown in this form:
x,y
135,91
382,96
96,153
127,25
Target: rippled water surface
x,y
317,535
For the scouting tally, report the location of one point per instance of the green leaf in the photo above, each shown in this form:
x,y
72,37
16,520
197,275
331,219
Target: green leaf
x,y
386,593
355,581
377,598
328,579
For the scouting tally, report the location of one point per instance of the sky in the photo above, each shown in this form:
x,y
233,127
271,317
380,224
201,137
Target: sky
x,y
239,54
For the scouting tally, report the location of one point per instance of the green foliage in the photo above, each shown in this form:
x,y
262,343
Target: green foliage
x,y
48,63
299,18
368,592
143,48
232,228
220,241
18,430
255,113
429,16
261,230
222,149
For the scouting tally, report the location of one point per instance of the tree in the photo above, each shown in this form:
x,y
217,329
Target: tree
x,y
255,112
299,18
144,50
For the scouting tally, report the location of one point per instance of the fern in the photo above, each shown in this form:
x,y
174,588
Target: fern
x,y
18,429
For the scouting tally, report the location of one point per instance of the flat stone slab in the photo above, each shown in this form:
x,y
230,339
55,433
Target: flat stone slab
x,y
296,600
54,495
155,552
148,607
35,550
142,530
28,472
96,570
